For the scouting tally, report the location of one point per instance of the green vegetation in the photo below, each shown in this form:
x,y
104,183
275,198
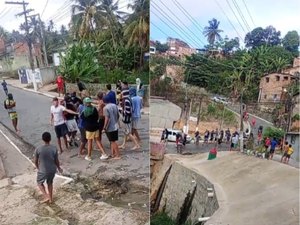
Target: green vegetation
x,y
163,219
103,44
296,117
273,132
219,112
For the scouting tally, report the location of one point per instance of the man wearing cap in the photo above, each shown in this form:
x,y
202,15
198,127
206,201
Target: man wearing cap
x,y
58,120
90,119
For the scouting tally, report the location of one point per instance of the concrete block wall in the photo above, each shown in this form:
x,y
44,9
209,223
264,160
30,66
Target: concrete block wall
x,y
182,181
48,75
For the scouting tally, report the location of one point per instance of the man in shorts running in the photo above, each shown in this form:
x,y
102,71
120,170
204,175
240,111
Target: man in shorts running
x,y
111,126
46,161
57,119
10,105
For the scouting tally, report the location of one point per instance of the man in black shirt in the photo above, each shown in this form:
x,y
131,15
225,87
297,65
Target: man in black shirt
x,y
82,88
70,121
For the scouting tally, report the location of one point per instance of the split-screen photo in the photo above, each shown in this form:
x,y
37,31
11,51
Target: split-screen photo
x,y
149,112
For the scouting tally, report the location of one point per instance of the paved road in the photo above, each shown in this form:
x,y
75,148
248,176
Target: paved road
x,y
34,116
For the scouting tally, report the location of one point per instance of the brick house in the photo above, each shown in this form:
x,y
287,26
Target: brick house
x,y
16,55
179,48
271,88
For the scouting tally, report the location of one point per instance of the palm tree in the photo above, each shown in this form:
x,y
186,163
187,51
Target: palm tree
x,y
137,30
212,32
83,13
280,63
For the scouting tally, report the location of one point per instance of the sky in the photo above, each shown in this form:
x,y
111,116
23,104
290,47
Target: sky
x,y
185,19
58,10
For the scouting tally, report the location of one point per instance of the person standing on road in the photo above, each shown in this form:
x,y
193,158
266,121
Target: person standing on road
x,y
4,85
273,147
197,137
124,93
90,119
60,85
267,143
137,105
228,135
100,108
234,142
58,120
288,154
70,121
10,105
46,161
83,139
285,150
111,94
81,88
111,126
127,122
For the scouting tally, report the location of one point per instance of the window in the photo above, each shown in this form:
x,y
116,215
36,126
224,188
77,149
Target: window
x,y
265,97
277,78
286,78
267,79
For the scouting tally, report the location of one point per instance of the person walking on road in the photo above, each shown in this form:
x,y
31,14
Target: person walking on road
x,y
90,119
47,163
58,120
111,94
137,105
10,106
4,85
111,126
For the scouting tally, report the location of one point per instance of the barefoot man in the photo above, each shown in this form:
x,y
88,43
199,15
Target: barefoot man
x,y
46,161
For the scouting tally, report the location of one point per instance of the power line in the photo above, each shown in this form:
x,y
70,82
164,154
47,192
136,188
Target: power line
x,y
248,12
197,54
188,15
241,15
175,25
44,8
216,1
4,14
193,33
235,16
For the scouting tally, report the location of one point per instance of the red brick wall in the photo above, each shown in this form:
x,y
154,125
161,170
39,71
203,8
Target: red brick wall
x,y
273,87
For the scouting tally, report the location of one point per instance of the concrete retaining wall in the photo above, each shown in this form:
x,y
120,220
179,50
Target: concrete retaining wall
x,y
48,75
185,195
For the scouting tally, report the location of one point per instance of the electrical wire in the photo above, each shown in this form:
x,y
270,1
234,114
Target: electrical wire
x,y
175,25
44,8
235,16
241,15
249,12
193,33
216,1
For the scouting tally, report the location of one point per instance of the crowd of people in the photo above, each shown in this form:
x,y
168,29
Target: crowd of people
x,y
91,118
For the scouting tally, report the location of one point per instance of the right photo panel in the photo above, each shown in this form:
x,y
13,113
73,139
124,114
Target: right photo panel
x,y
224,112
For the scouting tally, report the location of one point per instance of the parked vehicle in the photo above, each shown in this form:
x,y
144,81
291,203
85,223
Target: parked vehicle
x,y
172,135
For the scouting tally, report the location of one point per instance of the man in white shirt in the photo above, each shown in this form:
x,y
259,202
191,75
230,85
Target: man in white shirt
x,y
58,120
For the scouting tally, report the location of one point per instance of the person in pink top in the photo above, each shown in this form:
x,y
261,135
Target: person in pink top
x,y
253,122
60,85
267,143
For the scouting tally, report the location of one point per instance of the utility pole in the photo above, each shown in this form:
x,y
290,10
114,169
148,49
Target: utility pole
x,y
26,28
241,125
43,39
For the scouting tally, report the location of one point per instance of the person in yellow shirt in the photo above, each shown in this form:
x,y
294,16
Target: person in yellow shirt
x,y
288,154
10,105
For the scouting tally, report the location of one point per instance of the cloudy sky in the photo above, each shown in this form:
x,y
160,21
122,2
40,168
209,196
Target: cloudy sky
x,y
58,10
185,19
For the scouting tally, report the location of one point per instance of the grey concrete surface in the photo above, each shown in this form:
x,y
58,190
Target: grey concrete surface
x,y
250,191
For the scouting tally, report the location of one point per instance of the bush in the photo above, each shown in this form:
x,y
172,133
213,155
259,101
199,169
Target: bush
x,y
163,219
296,117
273,132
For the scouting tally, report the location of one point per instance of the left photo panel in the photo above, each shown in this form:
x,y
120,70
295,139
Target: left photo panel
x,y
74,121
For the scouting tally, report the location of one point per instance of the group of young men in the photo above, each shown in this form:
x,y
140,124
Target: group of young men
x,y
91,118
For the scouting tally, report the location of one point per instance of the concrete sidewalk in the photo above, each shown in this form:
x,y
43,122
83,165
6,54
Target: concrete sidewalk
x,y
45,90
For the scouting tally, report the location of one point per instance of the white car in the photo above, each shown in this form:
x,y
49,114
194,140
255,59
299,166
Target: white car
x,y
172,135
